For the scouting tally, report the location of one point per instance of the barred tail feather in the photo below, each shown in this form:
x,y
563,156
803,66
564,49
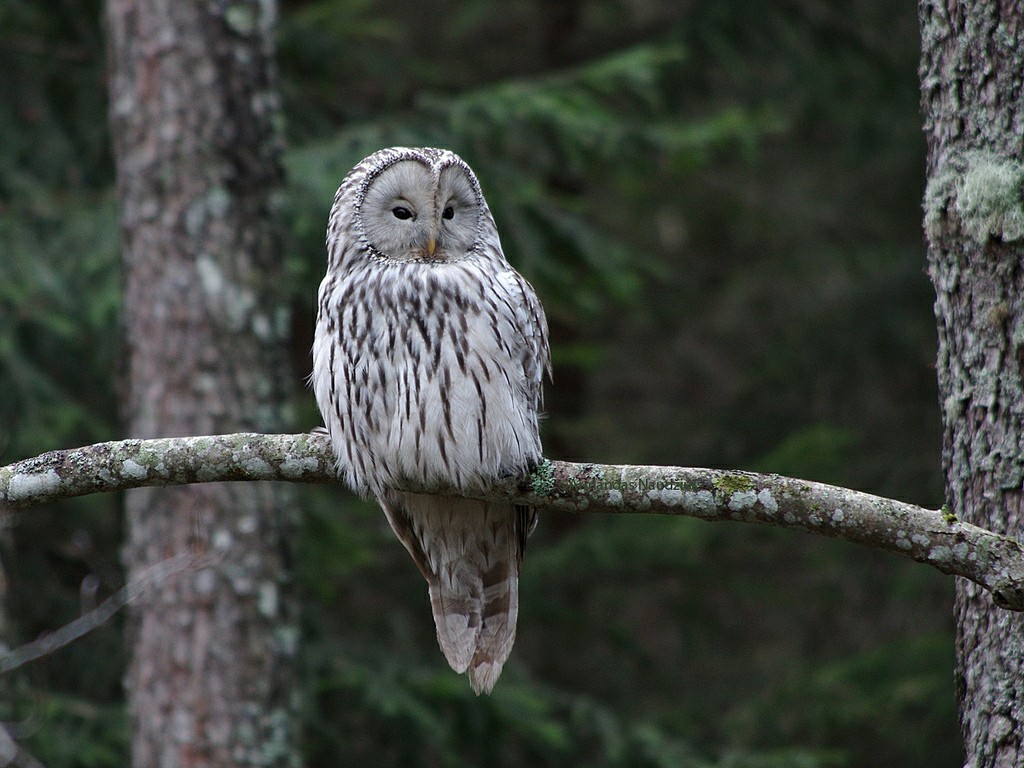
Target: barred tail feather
x,y
455,599
498,624
469,552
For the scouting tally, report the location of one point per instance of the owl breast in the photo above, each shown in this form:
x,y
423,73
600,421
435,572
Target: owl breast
x,y
423,375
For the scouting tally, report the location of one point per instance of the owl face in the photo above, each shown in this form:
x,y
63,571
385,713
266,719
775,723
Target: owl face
x,y
421,207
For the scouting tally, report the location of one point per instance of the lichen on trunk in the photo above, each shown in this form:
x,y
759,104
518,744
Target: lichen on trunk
x,y
972,73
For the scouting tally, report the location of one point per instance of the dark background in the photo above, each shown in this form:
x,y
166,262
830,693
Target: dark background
x,y
719,204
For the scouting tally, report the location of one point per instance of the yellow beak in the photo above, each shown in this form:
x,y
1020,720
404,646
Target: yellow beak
x,y
431,247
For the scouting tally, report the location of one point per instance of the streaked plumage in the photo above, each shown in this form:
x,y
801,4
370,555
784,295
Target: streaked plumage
x,y
427,364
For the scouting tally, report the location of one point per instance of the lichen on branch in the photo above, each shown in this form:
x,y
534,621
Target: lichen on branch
x,y
932,536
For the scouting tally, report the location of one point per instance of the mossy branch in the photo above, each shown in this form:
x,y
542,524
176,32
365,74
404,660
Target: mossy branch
x,y
935,537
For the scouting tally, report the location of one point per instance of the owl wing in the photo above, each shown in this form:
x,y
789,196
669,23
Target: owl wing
x,y
528,318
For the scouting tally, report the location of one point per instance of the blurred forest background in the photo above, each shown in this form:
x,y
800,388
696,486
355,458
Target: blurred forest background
x,y
719,204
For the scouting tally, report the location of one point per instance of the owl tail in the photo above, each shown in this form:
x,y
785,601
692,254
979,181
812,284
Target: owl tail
x,y
469,552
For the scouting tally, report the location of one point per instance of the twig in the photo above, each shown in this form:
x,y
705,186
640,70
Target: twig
x,y
934,537
98,616
12,754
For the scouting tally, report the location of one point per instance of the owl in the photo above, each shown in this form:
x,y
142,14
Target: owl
x,y
428,357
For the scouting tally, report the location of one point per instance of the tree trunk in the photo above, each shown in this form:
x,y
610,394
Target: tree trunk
x,y
194,117
972,74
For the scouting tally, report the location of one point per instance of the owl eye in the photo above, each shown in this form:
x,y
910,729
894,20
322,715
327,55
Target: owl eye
x,y
401,212
448,213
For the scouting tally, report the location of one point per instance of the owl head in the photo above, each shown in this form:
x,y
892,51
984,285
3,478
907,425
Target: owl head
x,y
413,205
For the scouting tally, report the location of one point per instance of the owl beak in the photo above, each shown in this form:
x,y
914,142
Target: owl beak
x,y
431,247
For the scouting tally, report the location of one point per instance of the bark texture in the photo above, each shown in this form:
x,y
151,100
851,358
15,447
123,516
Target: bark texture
x,y
972,74
194,116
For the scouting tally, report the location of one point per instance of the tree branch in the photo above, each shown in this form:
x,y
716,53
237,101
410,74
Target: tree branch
x,y
934,537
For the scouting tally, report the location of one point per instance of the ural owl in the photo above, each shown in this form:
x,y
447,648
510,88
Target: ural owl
x,y
427,365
